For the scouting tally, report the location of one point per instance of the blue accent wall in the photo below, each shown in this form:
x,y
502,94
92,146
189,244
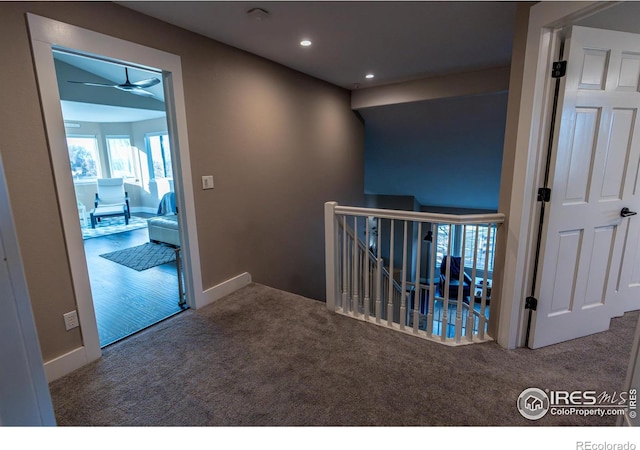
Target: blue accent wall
x,y
445,152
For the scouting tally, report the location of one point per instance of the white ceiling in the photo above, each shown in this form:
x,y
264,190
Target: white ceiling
x,y
91,112
394,40
110,72
619,17
82,103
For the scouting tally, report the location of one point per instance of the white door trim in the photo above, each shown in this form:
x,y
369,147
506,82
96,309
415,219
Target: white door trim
x,y
46,33
544,20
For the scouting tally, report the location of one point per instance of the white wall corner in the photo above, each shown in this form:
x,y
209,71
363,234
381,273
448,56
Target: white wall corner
x,y
223,289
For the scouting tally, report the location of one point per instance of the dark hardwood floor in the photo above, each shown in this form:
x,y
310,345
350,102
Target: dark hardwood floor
x,y
125,300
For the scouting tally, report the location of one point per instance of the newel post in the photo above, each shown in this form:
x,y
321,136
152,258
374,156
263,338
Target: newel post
x,y
330,252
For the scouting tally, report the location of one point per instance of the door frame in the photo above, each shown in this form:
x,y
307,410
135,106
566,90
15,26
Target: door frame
x,y
46,34
532,124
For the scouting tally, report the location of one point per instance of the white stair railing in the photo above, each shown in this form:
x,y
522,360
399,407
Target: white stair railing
x,y
367,278
385,287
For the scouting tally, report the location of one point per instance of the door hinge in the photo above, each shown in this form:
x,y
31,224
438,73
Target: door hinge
x,y
531,303
558,69
544,195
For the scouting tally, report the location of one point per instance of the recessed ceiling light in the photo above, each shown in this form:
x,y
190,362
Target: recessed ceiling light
x,y
305,43
369,75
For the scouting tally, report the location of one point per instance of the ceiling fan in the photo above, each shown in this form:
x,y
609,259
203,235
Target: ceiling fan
x,y
137,87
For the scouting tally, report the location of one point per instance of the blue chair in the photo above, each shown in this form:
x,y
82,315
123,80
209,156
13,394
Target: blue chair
x,y
454,279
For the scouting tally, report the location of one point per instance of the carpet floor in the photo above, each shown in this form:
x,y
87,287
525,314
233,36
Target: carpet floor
x,y
264,357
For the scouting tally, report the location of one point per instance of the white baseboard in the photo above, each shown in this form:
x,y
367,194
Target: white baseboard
x,y
65,364
223,289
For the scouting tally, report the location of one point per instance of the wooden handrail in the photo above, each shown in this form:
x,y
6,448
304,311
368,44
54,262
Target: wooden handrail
x,y
456,219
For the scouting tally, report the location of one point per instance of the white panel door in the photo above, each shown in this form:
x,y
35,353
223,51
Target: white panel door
x,y
590,261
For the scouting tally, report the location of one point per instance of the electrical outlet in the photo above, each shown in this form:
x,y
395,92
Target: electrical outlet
x,y
71,320
207,182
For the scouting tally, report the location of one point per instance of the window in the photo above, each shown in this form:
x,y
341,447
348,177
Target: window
x,y
486,244
442,243
121,157
465,236
160,151
84,157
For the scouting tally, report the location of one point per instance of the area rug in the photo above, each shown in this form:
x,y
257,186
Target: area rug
x,y
143,257
112,225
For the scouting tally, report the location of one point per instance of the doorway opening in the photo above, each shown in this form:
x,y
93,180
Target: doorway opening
x,y
122,168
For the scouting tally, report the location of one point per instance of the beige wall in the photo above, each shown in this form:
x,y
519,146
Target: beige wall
x,y
278,143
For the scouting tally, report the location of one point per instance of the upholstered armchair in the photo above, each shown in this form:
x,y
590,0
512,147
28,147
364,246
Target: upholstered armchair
x,y
111,193
455,266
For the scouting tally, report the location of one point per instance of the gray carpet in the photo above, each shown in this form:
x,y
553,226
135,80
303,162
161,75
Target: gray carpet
x,y
263,357
143,257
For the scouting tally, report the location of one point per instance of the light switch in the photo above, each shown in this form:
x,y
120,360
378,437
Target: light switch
x,y
207,182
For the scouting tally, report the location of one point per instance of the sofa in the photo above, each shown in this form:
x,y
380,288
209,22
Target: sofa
x,y
164,229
